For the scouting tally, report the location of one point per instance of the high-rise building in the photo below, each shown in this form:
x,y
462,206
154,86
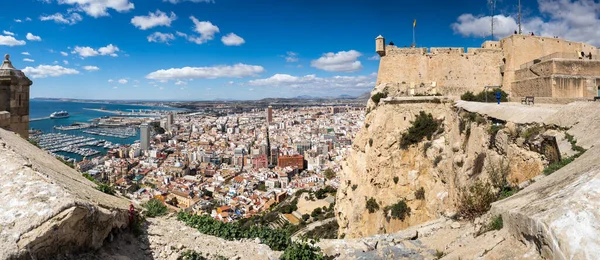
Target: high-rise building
x,y
270,114
14,99
145,137
169,121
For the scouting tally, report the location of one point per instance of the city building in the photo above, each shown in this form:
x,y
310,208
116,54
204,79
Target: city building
x,y
270,115
169,123
14,99
294,161
145,137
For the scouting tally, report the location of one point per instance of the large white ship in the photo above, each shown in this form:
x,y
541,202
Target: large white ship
x,y
59,114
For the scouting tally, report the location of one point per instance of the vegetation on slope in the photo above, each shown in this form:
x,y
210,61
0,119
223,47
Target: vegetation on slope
x,y
155,208
276,239
562,163
423,126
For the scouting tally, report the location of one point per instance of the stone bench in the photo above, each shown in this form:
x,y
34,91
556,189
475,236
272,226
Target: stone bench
x,y
528,100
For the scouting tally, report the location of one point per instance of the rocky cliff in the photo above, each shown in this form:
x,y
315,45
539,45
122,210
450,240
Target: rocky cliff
x,y
49,208
550,213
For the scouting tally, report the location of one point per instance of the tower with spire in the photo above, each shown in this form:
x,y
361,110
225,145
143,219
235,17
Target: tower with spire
x,y
14,99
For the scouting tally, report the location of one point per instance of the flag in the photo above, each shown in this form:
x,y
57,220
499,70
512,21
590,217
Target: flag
x,y
415,23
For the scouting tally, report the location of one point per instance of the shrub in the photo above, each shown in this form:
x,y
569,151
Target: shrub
x,y
354,186
372,205
305,217
155,208
396,179
303,250
468,96
476,200
106,189
420,193
370,141
326,231
439,254
378,96
498,173
531,132
478,164
423,126
437,160
507,192
329,174
400,210
481,96
316,212
191,255
496,223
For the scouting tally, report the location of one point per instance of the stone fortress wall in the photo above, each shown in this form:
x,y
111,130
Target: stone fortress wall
x,y
452,71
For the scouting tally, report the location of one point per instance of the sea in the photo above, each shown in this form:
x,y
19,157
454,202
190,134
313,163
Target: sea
x,y
40,110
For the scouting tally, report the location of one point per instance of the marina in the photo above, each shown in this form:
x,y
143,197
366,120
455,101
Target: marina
x,y
71,144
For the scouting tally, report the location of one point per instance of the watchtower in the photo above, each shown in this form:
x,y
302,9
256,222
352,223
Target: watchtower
x,y
380,45
14,99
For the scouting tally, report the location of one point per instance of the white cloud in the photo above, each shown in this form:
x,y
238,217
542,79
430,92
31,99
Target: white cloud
x,y
18,20
43,71
572,20
85,52
98,8
180,82
193,1
28,60
71,19
206,30
123,81
8,33
93,68
10,41
161,37
66,62
64,53
110,81
343,61
313,82
375,57
232,40
28,19
290,56
236,71
153,19
32,37
25,53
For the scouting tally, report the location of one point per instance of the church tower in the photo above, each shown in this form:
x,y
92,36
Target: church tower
x,y
14,99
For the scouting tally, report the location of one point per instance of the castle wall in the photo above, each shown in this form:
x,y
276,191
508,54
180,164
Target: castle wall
x,y
520,49
453,71
537,87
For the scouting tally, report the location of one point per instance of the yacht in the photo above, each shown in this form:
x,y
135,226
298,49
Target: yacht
x,y
59,114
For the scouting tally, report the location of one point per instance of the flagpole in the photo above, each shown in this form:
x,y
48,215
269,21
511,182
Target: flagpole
x,y
414,42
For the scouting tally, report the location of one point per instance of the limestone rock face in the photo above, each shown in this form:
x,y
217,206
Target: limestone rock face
x,y
49,208
378,168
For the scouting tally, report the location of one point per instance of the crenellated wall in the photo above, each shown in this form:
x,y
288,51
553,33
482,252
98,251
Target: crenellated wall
x,y
14,98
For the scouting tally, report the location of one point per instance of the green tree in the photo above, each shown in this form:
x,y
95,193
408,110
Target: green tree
x,y
423,126
329,174
372,205
155,208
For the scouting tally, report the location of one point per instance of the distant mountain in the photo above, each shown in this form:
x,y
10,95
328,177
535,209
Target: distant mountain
x,y
364,96
304,97
344,96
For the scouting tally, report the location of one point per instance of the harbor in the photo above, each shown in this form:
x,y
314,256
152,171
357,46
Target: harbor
x,y
71,144
119,132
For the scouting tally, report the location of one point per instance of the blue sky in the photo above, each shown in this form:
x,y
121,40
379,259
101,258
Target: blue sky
x,y
204,49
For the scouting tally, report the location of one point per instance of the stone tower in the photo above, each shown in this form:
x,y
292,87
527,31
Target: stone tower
x,y
14,99
380,45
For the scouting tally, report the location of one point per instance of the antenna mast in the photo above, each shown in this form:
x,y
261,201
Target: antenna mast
x,y
520,32
492,7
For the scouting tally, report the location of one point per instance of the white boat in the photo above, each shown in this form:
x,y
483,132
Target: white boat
x,y
59,114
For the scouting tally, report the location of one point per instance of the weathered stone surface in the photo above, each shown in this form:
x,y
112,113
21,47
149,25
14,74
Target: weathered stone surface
x,y
50,208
